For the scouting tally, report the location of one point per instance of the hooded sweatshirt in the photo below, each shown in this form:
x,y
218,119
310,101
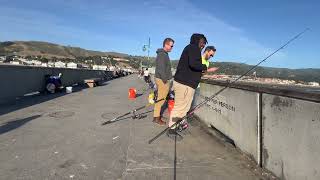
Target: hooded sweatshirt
x,y
163,65
190,67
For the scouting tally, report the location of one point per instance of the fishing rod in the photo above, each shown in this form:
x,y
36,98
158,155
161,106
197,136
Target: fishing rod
x,y
226,86
135,116
133,112
175,158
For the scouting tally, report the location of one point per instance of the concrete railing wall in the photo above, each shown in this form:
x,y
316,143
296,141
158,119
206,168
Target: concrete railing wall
x,y
282,134
19,80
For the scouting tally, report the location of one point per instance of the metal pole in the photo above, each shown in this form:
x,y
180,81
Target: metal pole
x,y
148,48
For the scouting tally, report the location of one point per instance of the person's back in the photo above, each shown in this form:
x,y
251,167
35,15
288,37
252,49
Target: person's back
x,y
189,69
186,79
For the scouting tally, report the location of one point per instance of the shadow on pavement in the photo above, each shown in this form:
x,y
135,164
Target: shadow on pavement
x,y
12,125
26,101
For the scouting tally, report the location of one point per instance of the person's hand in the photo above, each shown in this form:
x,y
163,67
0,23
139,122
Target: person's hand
x,y
213,69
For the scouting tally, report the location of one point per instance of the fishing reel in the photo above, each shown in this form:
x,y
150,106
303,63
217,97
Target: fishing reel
x,y
183,125
137,116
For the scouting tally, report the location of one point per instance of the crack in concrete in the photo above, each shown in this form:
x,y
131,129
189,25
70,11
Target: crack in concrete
x,y
165,167
127,153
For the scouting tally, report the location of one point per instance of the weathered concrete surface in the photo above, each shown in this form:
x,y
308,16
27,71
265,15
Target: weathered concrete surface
x,y
235,113
291,137
61,138
309,93
19,80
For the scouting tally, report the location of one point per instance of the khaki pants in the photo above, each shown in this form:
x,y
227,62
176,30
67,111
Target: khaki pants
x,y
182,101
163,90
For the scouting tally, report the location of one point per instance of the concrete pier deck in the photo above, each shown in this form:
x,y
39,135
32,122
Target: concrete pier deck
x,y
60,137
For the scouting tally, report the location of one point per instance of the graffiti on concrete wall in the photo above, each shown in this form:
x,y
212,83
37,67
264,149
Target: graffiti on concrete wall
x,y
216,104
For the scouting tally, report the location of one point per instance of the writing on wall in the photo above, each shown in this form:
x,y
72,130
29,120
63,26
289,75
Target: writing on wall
x,y
216,104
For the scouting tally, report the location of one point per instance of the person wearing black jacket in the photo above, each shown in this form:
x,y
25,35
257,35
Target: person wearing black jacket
x,y
187,78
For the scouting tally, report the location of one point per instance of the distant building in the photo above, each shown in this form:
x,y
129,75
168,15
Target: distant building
x,y
121,59
15,62
25,62
2,58
152,70
44,64
112,68
72,65
60,64
105,57
313,84
99,67
83,66
36,63
50,64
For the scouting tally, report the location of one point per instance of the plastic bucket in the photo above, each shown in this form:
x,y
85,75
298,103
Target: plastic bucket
x,y
132,93
69,89
170,105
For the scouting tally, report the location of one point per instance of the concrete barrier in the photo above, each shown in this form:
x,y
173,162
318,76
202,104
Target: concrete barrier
x,y
291,137
278,126
19,80
235,113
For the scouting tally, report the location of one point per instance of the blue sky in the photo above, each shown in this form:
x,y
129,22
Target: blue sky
x,y
243,31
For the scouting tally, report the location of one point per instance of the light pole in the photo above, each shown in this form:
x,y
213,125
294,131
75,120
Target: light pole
x,y
146,47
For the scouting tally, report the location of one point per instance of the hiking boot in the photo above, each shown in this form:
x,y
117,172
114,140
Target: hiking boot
x,y
159,121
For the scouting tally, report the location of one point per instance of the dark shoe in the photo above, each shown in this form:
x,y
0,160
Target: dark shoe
x,y
155,119
159,121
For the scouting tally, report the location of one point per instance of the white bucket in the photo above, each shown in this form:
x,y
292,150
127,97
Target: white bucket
x,y
69,89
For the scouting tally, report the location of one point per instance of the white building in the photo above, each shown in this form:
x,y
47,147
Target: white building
x,y
112,68
99,67
72,65
60,64
50,64
84,66
121,59
2,58
313,83
44,64
15,62
36,63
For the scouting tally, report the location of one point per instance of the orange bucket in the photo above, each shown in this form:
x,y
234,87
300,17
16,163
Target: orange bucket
x,y
132,93
170,105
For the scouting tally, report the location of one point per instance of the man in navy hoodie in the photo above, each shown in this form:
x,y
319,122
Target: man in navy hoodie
x,y
187,78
